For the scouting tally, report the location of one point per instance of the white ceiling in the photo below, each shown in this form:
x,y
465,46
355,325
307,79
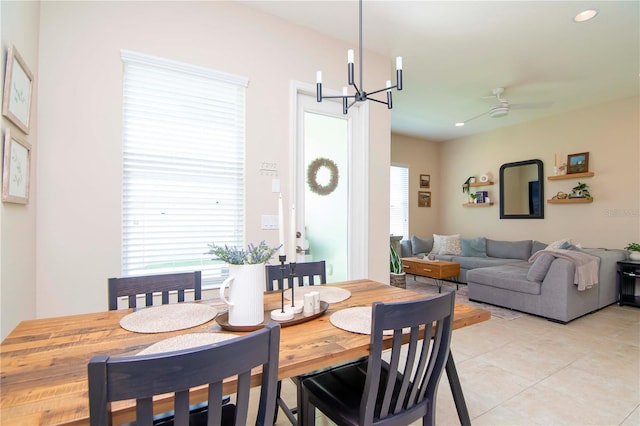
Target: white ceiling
x,y
455,52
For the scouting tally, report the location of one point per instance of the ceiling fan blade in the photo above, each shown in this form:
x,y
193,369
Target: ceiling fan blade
x,y
531,105
477,116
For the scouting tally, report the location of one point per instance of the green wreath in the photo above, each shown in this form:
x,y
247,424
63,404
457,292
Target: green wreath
x,y
312,175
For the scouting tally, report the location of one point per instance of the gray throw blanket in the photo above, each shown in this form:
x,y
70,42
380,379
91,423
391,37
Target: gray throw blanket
x,y
587,266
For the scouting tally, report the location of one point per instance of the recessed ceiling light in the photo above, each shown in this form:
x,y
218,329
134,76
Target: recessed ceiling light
x,y
459,124
585,15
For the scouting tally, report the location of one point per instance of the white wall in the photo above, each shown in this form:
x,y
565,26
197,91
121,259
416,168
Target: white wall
x,y
20,22
78,221
609,132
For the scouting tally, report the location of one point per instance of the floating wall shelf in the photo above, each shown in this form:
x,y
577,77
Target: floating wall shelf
x,y
477,204
570,200
572,176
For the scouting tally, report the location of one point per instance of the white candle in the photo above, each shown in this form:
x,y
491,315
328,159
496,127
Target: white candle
x,y
292,234
319,77
350,56
389,85
281,226
345,92
399,63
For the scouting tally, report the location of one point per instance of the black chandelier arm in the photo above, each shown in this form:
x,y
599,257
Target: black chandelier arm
x,y
378,101
382,90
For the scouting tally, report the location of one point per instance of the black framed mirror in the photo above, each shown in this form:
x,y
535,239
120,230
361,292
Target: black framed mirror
x,y
522,190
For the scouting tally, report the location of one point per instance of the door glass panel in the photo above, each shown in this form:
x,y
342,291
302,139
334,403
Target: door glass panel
x,y
326,215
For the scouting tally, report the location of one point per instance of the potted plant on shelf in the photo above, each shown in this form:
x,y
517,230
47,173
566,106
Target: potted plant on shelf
x,y
580,191
398,276
634,251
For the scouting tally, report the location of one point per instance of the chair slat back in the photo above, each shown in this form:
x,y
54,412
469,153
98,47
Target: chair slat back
x,y
408,380
311,270
142,377
149,285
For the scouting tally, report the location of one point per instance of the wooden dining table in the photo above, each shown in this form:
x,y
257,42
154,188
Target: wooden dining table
x,y
43,362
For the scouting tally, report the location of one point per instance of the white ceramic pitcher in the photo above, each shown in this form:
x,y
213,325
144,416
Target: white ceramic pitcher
x,y
246,294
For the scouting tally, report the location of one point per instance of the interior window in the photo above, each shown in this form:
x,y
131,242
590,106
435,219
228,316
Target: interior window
x,y
399,201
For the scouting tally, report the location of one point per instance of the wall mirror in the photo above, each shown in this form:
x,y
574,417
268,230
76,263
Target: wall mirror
x,y
522,190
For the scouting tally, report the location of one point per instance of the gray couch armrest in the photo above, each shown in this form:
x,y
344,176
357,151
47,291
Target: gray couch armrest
x,y
405,248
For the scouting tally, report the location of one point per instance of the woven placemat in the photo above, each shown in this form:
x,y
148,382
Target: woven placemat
x,y
357,320
185,341
328,294
172,317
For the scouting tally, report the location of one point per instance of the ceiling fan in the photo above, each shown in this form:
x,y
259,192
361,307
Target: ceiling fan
x,y
503,107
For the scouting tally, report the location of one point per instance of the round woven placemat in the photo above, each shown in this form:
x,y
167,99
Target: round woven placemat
x,y
357,320
327,293
185,341
172,317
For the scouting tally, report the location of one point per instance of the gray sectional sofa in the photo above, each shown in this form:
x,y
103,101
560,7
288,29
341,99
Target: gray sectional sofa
x,y
500,273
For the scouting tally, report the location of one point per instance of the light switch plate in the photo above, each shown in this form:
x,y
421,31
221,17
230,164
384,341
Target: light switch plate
x,y
275,185
269,221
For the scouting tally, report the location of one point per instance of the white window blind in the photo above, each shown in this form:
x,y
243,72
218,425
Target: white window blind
x,y
183,166
399,201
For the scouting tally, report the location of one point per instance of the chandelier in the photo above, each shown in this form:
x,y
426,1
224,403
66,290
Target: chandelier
x,y
360,95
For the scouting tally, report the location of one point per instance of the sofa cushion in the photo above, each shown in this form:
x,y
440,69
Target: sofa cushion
x,y
446,244
508,277
509,249
537,246
540,267
418,245
560,244
473,247
480,262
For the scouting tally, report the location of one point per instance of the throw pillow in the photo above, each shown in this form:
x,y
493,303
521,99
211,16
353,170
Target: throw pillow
x,y
473,247
540,267
418,245
560,244
446,244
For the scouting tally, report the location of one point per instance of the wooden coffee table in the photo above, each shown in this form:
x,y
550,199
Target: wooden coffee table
x,y
438,270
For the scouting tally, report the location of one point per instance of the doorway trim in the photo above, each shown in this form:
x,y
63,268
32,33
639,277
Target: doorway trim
x,y
358,189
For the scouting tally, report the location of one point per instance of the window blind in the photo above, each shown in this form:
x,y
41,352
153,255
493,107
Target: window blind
x,y
399,201
182,166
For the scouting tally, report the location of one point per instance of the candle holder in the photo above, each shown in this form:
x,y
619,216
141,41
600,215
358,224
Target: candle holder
x,y
292,283
281,314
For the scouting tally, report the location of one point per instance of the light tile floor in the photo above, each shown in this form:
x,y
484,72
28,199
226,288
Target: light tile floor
x,y
530,371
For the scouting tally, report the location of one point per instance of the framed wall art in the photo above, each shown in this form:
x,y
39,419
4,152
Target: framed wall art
x,y
18,91
16,169
424,199
578,163
425,181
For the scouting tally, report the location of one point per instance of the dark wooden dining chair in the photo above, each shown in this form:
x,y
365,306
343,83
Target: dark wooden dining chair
x,y
144,376
400,390
315,273
132,287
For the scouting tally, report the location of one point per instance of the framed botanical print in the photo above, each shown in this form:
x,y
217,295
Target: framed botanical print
x,y
18,91
16,169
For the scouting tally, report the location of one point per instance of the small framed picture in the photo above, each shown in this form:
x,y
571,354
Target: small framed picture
x,y
424,199
578,163
18,89
425,181
16,169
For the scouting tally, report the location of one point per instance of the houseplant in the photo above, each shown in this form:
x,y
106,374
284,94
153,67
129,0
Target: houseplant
x,y
580,191
398,276
634,251
238,256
